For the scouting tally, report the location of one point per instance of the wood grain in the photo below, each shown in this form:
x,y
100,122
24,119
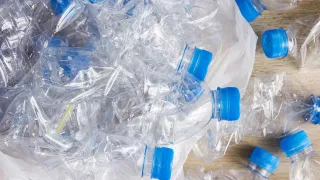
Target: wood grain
x,y
237,156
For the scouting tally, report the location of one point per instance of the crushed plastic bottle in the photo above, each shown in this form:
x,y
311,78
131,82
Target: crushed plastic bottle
x,y
26,27
14,24
305,164
300,41
152,33
61,62
276,105
178,107
261,165
216,140
251,9
52,116
107,156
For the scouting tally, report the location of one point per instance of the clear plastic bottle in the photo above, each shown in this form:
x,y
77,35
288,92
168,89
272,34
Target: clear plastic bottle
x,y
251,9
305,164
14,24
178,107
276,105
26,26
216,140
261,165
300,40
61,62
113,157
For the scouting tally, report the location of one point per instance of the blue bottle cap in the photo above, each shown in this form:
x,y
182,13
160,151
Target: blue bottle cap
x,y
162,163
275,43
199,64
264,159
59,6
295,143
229,103
248,10
314,114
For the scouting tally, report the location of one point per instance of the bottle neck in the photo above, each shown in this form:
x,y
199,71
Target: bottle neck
x,y
258,170
215,105
147,162
292,42
259,5
303,154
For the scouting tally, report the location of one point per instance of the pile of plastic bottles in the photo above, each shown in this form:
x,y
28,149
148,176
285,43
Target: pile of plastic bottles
x,y
125,89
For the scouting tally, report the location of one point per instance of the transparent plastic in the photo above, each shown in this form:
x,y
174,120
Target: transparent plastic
x,y
305,165
276,4
27,26
153,36
15,20
224,175
253,172
303,41
108,156
52,117
252,9
216,140
276,105
109,67
178,107
174,109
103,156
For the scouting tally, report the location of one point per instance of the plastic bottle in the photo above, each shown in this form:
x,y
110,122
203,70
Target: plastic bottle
x,y
216,140
25,29
305,164
261,165
107,156
251,9
300,41
70,59
178,106
70,10
276,105
193,61
14,24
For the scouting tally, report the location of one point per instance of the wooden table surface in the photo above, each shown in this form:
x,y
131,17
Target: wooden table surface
x,y
237,156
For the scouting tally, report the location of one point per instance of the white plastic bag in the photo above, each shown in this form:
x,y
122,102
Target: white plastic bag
x,y
17,169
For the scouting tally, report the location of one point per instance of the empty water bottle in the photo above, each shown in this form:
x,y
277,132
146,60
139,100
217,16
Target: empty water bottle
x,y
305,164
251,9
51,117
14,23
216,140
180,106
107,156
261,165
61,62
300,40
276,105
26,26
